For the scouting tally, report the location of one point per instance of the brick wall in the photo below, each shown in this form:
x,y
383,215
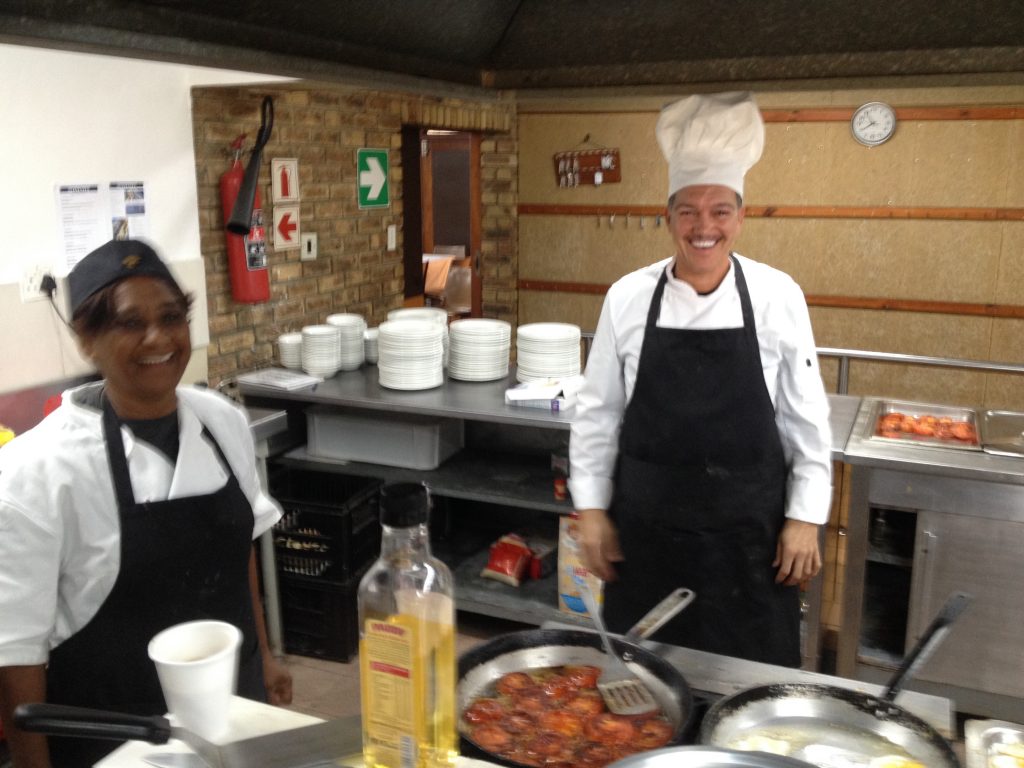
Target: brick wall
x,y
323,126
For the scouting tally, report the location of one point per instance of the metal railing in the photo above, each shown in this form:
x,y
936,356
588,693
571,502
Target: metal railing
x,y
846,356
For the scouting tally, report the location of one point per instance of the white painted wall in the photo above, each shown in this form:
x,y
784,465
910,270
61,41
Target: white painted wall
x,y
72,118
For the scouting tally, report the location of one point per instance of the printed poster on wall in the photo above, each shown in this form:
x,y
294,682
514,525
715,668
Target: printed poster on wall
x,y
128,210
92,213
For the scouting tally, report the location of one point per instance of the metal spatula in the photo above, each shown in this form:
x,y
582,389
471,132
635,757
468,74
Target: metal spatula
x,y
623,692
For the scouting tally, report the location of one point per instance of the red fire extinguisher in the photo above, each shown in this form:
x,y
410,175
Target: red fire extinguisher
x,y
247,254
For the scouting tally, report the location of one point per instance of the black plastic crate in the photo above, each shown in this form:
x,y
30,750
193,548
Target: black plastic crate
x,y
330,529
320,619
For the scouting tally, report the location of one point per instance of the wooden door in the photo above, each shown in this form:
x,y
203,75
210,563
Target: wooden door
x,y
450,208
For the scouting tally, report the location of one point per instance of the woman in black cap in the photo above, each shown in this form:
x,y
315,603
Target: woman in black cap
x,y
130,508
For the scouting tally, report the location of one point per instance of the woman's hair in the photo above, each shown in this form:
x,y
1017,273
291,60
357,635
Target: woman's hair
x,y
96,313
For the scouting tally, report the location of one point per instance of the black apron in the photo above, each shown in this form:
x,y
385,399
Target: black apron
x,y
181,560
700,492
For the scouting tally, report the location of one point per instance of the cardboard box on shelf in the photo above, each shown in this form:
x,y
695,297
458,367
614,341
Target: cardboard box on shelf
x,y
571,570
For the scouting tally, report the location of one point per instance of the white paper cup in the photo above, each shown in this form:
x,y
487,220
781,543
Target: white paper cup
x,y
197,663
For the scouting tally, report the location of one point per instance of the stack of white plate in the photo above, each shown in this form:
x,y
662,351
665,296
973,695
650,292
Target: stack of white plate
x,y
410,354
289,350
370,344
320,350
478,349
547,351
351,352
434,314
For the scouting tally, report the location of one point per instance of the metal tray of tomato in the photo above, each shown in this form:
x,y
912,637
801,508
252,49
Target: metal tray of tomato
x,y
925,424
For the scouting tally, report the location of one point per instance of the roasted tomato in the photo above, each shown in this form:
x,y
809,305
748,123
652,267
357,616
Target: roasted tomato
x,y
582,676
492,737
586,703
530,700
514,682
594,755
652,734
610,729
961,430
924,428
561,722
557,690
546,745
518,721
484,711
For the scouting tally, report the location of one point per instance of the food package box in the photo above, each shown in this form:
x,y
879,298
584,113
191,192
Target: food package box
x,y
570,569
396,440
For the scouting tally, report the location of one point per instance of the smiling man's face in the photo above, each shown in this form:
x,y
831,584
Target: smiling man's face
x,y
704,222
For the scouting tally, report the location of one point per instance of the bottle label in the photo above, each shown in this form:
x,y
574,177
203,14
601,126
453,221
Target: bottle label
x,y
392,686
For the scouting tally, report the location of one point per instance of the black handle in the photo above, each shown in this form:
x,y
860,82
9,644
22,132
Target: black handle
x,y
928,642
62,720
240,221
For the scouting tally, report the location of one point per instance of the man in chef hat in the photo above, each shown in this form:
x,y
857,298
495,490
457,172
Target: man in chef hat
x,y
700,451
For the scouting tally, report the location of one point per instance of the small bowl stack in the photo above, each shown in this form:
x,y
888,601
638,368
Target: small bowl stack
x,y
410,354
478,350
351,352
433,314
320,350
547,351
289,350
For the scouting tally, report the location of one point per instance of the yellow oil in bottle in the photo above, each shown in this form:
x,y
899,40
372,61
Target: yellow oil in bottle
x,y
407,642
409,721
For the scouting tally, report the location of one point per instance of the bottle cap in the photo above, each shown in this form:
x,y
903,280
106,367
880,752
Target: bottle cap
x,y
404,504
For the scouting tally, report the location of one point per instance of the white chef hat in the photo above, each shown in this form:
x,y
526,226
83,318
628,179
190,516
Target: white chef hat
x,y
710,139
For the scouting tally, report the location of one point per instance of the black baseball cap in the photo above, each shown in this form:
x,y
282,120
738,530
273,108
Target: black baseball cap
x,y
111,262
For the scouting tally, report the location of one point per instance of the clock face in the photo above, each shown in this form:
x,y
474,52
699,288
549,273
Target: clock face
x,y
873,123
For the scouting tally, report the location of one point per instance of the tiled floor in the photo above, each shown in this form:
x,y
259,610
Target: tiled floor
x,y
330,689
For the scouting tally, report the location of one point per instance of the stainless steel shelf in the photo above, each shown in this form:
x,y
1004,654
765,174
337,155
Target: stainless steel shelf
x,y
474,401
534,601
495,478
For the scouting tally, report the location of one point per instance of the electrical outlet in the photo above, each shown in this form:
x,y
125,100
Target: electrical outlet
x,y
31,283
308,248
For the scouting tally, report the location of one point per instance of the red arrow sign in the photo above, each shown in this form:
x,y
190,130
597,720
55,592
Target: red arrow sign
x,y
286,226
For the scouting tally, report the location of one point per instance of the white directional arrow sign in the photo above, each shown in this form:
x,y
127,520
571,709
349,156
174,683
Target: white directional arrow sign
x,y
372,167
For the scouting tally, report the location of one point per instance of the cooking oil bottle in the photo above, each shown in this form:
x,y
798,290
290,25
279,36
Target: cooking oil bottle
x,y
407,642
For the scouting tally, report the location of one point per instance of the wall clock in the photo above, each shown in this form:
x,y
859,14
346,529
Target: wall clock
x,y
873,123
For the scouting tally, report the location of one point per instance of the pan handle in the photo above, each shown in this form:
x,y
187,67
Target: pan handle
x,y
655,618
928,642
62,720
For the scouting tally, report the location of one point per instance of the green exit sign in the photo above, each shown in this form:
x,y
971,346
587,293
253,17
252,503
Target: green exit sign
x,y
372,175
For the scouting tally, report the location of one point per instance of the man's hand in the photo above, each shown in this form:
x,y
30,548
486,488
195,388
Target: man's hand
x,y
599,543
797,555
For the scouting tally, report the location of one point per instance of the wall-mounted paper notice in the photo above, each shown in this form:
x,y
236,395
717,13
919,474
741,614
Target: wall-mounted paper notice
x,y
91,214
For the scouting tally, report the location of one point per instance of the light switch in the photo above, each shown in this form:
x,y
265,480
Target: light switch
x,y
308,247
392,237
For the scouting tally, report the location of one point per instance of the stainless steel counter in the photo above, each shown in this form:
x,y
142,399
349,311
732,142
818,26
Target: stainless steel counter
x,y
843,411
475,401
724,675
961,513
861,450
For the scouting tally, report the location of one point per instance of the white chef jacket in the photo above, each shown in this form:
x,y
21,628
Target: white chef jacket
x,y
788,358
59,531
